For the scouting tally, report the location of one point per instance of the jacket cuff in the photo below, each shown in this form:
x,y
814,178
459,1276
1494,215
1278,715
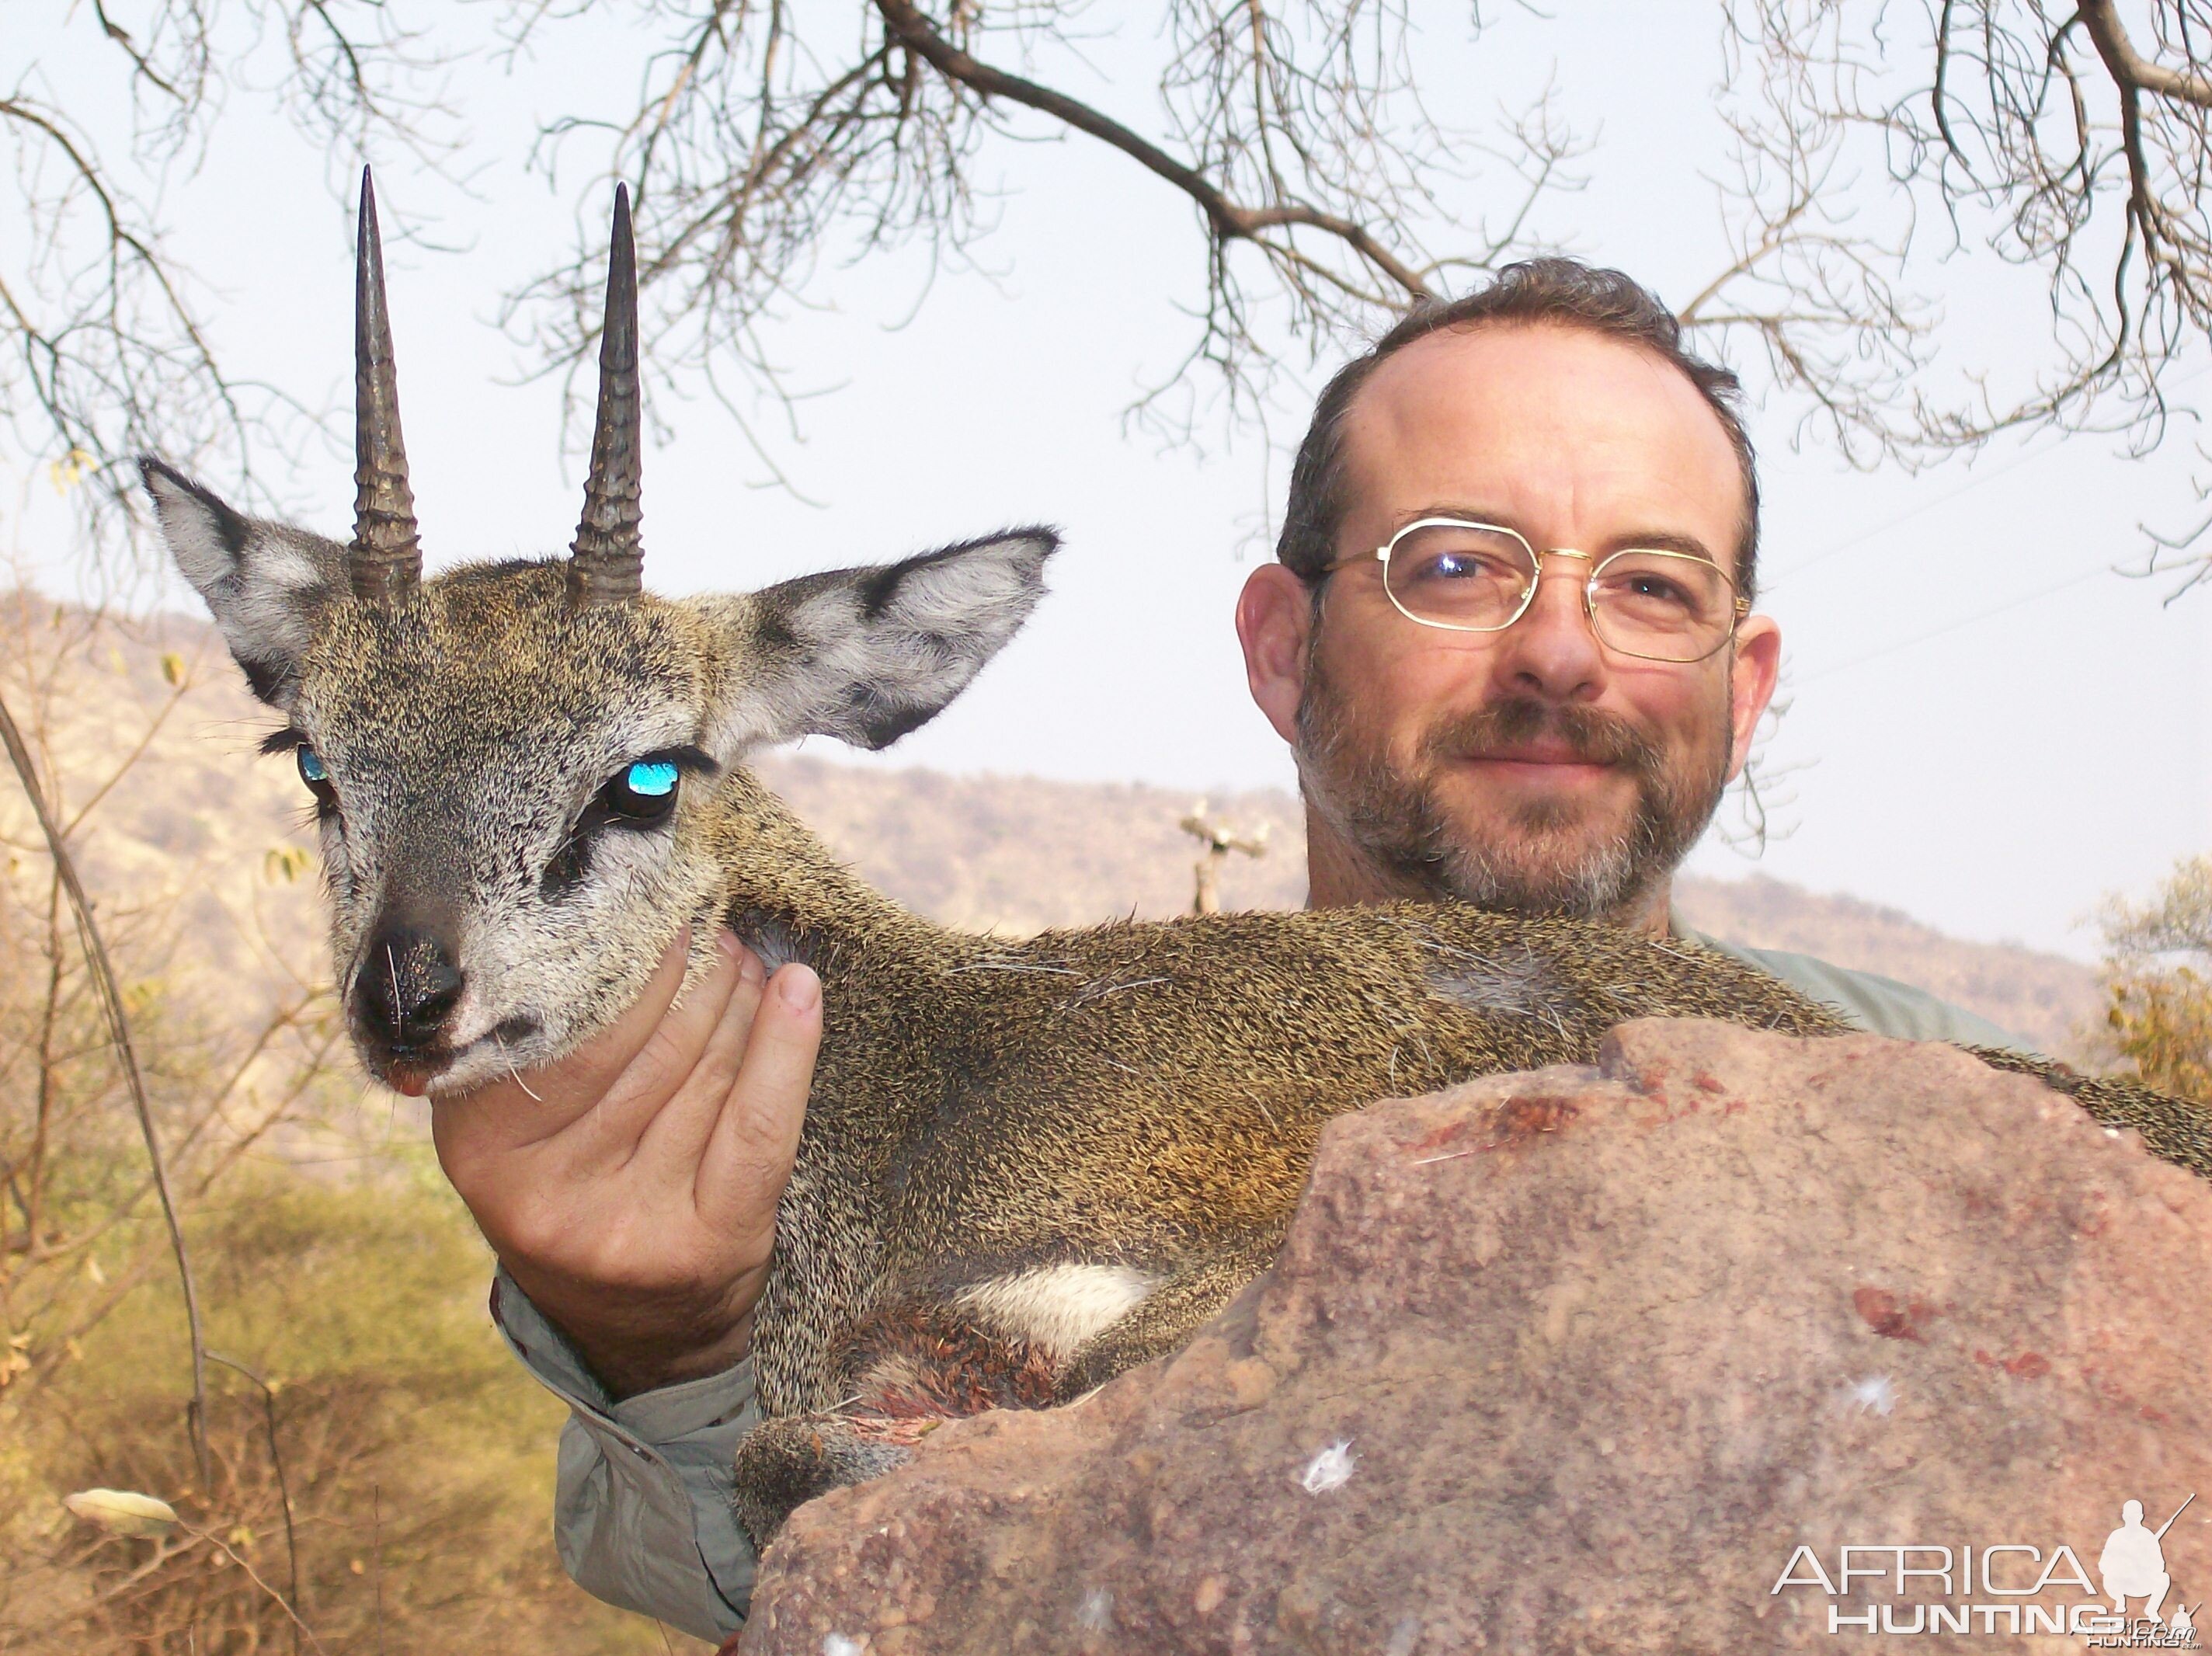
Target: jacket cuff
x,y
642,1516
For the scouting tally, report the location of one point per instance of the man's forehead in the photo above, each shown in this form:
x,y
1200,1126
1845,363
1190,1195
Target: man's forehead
x,y
1582,435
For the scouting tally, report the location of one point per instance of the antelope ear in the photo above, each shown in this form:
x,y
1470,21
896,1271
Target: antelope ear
x,y
868,655
263,581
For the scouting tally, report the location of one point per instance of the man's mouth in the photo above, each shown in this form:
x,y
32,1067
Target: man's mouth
x,y
1551,761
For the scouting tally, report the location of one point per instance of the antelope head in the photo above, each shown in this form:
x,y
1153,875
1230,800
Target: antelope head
x,y
512,766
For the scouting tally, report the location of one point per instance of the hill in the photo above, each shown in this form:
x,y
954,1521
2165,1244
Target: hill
x,y
202,818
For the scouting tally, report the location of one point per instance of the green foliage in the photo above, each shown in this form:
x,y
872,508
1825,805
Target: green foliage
x,y
2157,982
415,1456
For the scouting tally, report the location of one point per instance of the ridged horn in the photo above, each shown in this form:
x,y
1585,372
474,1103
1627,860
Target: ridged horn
x,y
609,561
385,561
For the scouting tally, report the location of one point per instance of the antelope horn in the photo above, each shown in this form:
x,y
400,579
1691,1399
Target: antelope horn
x,y
385,561
608,565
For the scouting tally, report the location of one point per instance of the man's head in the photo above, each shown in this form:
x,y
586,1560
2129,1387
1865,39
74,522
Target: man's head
x,y
1532,768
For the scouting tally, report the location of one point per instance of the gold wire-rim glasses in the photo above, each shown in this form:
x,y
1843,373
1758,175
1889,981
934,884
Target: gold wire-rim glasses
x,y
1740,607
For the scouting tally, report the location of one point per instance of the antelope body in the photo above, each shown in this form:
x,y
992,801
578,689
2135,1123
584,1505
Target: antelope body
x,y
1025,1167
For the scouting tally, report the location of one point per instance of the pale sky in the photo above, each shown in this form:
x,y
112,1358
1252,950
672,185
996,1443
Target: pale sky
x,y
1986,729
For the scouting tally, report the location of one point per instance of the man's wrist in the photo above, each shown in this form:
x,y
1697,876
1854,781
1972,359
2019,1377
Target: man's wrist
x,y
639,1345
628,1366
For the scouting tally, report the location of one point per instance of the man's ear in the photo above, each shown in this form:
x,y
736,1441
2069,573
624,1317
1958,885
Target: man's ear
x,y
865,656
263,581
1275,624
1754,668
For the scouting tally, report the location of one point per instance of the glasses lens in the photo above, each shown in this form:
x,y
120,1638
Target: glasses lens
x,y
1665,606
1460,574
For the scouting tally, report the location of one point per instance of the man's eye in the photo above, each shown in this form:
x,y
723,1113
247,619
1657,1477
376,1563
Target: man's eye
x,y
643,792
1649,591
1463,566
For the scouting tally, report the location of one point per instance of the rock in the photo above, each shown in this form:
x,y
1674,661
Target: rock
x,y
1578,1360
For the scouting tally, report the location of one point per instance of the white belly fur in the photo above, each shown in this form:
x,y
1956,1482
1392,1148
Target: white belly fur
x,y
1058,1306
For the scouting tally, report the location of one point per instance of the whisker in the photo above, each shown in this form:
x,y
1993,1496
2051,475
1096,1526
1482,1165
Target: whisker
x,y
513,1073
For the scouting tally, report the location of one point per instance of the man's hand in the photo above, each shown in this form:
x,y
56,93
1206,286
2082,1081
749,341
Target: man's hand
x,y
631,1189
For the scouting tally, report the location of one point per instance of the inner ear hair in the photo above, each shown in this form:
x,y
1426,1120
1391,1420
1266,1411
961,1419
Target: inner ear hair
x,y
868,655
264,582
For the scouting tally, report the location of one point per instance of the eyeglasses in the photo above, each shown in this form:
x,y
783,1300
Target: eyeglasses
x,y
1481,577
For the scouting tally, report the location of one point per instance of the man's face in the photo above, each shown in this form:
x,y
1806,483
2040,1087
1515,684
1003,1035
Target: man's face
x,y
1533,770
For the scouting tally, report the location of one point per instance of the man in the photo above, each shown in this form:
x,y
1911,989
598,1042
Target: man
x,y
1502,639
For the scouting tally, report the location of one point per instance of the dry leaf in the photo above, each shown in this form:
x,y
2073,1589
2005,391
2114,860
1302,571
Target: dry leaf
x,y
120,1512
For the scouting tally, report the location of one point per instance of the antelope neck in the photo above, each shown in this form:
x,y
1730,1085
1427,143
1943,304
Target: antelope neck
x,y
789,897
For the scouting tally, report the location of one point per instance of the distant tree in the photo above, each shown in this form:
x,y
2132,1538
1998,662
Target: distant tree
x,y
1218,840
2157,981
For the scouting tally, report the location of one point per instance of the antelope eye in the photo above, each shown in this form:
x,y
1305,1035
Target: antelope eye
x,y
313,771
644,792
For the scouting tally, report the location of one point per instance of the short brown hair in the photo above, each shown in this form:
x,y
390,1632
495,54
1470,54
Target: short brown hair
x,y
1564,292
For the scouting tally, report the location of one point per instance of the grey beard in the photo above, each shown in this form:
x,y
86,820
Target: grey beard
x,y
1396,822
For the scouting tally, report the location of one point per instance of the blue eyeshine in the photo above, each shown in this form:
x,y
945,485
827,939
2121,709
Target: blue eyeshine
x,y
651,778
312,769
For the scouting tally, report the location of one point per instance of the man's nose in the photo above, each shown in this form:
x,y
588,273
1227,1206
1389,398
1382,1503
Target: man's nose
x,y
408,984
1551,650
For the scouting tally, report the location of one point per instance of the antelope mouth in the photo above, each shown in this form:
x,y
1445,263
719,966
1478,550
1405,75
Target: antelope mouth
x,y
412,1070
412,1076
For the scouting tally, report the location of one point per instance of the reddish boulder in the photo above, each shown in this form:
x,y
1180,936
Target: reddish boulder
x,y
1579,1361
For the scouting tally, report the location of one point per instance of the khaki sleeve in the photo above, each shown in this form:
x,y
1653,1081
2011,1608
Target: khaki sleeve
x,y
641,1514
1878,1005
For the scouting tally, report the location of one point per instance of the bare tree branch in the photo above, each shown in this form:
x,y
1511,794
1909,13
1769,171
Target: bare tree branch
x,y
2129,67
1228,220
759,152
104,345
2051,139
118,1024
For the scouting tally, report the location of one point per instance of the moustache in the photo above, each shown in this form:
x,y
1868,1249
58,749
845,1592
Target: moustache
x,y
1590,736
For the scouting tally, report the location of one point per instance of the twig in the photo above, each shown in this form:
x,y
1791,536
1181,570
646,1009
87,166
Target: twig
x,y
111,999
1230,221
376,1554
254,1576
283,1489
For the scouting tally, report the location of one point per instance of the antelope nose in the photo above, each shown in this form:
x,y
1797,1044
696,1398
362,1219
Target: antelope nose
x,y
407,987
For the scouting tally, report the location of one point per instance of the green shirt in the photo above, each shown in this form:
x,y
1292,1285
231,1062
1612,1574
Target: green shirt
x,y
641,1514
1878,1005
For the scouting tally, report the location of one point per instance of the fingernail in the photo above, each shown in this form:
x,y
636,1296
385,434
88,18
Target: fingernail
x,y
800,990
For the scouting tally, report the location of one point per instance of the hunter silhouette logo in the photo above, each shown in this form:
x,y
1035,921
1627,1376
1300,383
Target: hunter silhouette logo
x,y
2133,1564
2013,1588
